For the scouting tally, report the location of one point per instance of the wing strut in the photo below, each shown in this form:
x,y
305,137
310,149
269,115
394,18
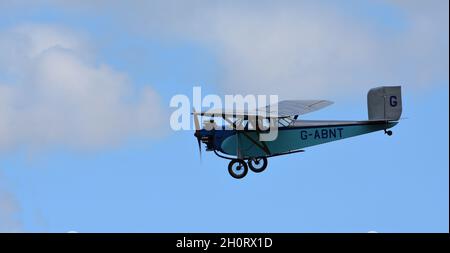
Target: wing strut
x,y
261,145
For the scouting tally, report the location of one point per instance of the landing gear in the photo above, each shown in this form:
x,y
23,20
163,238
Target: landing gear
x,y
388,132
257,165
238,168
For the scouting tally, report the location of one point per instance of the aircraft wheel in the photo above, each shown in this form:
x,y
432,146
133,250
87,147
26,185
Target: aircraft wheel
x,y
388,132
238,169
258,165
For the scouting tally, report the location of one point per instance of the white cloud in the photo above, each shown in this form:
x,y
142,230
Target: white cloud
x,y
294,49
300,50
303,49
53,93
291,52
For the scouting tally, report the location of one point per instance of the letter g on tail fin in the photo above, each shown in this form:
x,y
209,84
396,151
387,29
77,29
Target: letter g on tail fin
x,y
385,103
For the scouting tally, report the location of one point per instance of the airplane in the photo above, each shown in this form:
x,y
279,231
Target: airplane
x,y
240,141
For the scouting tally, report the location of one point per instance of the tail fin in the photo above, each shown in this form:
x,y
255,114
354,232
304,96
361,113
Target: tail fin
x,y
385,103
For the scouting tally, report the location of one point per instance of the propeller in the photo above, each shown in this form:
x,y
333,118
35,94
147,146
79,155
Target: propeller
x,y
197,132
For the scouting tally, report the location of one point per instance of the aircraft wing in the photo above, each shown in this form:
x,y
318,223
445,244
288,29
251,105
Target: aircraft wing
x,y
286,108
297,107
237,113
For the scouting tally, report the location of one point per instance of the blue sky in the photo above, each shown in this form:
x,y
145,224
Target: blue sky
x,y
72,169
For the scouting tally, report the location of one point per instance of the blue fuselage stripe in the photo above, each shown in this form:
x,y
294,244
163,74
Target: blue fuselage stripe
x,y
293,138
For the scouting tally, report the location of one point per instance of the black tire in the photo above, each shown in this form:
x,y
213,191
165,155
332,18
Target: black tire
x,y
258,165
233,169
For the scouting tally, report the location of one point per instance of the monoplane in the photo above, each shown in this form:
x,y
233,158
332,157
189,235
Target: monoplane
x,y
239,138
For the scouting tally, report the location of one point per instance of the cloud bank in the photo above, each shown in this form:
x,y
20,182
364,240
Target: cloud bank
x,y
302,49
52,92
315,50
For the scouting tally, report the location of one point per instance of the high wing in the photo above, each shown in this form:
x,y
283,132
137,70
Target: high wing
x,y
284,109
237,113
288,108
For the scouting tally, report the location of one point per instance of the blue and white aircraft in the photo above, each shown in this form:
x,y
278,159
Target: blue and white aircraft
x,y
240,141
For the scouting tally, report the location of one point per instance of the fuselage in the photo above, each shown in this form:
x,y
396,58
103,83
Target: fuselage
x,y
299,135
